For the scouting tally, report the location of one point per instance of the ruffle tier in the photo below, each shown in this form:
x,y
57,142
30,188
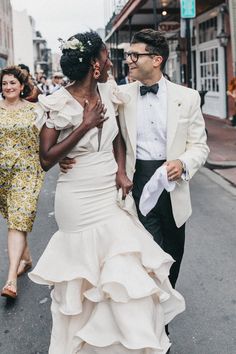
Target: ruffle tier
x,y
111,290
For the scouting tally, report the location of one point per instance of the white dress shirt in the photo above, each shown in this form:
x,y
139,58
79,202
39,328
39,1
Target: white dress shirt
x,y
152,124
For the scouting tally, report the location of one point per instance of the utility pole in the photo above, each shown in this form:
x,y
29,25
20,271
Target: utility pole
x,y
189,53
188,11
155,14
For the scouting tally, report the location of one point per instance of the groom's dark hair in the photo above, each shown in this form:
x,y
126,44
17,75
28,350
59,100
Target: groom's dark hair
x,y
155,42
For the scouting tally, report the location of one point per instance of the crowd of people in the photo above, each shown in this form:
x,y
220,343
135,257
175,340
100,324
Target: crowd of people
x,y
48,86
113,267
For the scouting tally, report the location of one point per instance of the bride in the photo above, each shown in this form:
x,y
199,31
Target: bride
x,y
111,289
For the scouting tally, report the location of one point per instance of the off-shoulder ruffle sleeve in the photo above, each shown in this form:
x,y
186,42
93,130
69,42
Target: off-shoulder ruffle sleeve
x,y
118,97
41,116
59,111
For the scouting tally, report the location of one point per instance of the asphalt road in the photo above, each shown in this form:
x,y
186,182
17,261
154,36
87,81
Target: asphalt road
x,y
207,280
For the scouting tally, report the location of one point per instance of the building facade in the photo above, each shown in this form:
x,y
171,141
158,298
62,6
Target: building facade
x,y
205,59
42,54
30,48
6,34
23,39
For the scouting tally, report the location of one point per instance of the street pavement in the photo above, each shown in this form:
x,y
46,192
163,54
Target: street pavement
x,y
207,279
222,143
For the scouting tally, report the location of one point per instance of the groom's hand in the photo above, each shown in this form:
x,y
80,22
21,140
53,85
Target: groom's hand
x,y
174,169
66,164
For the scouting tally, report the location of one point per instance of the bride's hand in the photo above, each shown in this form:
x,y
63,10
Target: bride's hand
x,y
94,116
123,182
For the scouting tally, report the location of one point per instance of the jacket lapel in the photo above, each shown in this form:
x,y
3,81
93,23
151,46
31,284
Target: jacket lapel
x,y
130,113
174,104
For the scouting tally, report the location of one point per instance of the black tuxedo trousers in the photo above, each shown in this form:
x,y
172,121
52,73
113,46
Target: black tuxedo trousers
x,y
160,221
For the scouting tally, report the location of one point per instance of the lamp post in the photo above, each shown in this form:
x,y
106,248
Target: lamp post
x,y
189,53
223,39
154,4
179,75
178,51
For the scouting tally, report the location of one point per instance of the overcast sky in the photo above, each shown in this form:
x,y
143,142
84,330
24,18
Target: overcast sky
x,y
62,18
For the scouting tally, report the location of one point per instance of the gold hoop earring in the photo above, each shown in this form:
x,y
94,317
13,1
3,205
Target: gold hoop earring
x,y
96,71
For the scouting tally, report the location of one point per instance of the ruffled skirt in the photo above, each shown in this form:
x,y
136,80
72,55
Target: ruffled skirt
x,y
111,290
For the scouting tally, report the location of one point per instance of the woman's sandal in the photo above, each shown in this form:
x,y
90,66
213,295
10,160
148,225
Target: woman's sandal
x,y
9,290
24,266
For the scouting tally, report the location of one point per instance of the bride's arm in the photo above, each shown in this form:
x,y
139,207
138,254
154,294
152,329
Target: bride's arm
x,y
51,151
122,181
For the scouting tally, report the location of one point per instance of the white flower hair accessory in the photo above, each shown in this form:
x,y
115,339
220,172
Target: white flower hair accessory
x,y
73,44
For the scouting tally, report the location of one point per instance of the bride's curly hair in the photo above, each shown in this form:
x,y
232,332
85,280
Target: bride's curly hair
x,y
75,63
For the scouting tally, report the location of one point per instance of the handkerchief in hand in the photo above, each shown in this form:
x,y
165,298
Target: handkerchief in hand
x,y
153,189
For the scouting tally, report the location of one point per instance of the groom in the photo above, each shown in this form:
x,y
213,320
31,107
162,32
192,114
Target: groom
x,y
161,124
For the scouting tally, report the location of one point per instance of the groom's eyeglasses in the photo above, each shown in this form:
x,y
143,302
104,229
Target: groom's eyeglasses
x,y
134,56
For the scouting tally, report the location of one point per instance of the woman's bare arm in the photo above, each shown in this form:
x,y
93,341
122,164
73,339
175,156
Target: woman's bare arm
x,y
122,181
51,151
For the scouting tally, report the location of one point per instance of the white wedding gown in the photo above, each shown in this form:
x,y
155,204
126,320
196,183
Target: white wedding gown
x,y
111,290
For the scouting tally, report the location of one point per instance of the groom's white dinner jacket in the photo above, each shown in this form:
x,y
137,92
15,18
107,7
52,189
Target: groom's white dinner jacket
x,y
186,138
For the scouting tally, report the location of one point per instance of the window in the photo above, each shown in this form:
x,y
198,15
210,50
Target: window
x,y
208,30
209,70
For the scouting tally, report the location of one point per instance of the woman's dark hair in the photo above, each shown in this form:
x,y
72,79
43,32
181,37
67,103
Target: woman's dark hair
x,y
75,63
155,42
24,67
20,76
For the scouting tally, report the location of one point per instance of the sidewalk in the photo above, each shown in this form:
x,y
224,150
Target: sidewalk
x,y
222,144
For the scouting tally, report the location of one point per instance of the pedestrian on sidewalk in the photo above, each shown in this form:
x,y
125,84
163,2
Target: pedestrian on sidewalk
x,y
232,93
127,79
57,81
34,90
111,288
21,175
44,86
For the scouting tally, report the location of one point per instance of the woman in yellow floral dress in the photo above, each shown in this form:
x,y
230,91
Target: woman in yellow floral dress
x,y
21,175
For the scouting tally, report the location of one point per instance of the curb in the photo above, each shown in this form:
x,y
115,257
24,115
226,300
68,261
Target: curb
x,y
225,178
221,181
219,164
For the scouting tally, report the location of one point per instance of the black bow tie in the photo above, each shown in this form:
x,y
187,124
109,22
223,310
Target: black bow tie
x,y
145,89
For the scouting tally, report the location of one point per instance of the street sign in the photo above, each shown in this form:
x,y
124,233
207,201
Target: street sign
x,y
188,8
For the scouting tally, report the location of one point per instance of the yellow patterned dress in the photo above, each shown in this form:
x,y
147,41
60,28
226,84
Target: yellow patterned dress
x,y
21,175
